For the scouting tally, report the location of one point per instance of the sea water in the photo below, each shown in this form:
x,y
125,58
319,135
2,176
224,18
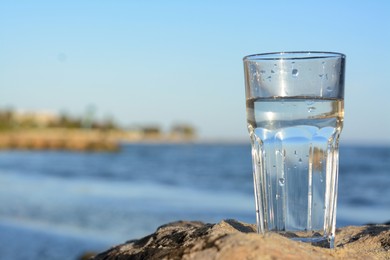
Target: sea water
x,y
295,163
59,198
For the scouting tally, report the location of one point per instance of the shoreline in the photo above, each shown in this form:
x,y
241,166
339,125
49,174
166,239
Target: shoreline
x,y
91,140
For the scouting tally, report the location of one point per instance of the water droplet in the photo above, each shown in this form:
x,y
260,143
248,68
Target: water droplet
x,y
277,196
295,152
323,63
309,102
272,71
329,88
274,166
300,160
295,73
311,109
295,166
321,75
262,71
281,181
269,78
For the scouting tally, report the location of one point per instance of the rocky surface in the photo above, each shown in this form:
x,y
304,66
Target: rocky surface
x,y
231,239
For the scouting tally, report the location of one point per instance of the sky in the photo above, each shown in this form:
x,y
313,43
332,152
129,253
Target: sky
x,y
166,62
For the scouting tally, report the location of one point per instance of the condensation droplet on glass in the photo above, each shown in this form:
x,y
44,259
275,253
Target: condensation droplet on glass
x,y
295,166
269,78
274,166
262,71
295,152
321,75
272,71
254,78
329,88
311,109
257,76
295,73
323,63
300,160
281,181
277,196
309,102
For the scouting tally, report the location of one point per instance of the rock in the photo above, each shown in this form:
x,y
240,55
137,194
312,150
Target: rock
x,y
86,256
231,239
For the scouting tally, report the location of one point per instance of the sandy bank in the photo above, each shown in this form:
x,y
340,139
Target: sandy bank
x,y
235,240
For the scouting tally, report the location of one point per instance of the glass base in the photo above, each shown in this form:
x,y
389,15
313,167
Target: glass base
x,y
315,239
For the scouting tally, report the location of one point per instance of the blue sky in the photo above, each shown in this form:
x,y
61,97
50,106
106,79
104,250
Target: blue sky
x,y
162,62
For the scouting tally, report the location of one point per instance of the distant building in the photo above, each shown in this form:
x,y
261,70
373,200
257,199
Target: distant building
x,y
40,119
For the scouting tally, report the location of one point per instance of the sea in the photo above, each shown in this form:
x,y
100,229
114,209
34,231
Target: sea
x,y
62,204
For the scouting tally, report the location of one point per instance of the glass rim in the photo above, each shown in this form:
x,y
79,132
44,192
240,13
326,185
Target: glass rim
x,y
293,55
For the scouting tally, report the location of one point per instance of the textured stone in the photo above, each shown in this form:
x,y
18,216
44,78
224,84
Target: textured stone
x,y
231,239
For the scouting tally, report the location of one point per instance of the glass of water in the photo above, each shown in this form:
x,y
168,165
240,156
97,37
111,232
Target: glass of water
x,y
295,111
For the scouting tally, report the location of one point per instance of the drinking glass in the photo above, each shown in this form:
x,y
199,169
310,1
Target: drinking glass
x,y
295,111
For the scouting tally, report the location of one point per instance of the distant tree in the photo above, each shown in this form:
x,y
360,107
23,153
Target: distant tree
x,y
6,119
88,118
183,130
109,123
66,121
151,130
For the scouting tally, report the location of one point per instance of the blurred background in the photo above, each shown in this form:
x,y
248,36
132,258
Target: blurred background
x,y
120,116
